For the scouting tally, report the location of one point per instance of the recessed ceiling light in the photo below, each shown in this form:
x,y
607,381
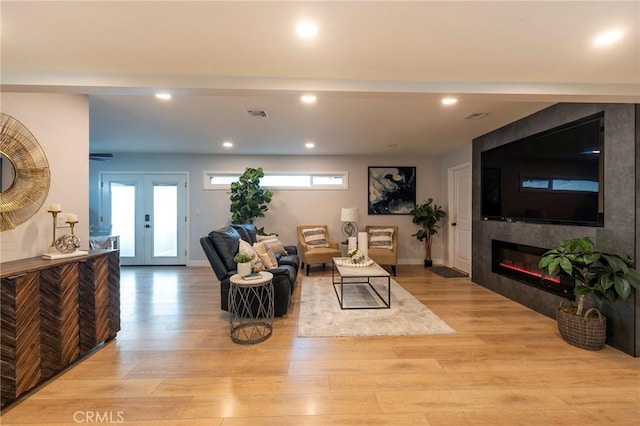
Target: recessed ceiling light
x,y
309,145
607,38
449,101
163,96
227,144
307,29
308,99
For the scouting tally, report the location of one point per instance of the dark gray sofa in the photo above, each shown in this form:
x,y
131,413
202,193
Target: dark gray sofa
x,y
221,245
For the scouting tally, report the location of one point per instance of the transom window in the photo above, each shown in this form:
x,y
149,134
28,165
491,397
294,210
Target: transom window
x,y
308,181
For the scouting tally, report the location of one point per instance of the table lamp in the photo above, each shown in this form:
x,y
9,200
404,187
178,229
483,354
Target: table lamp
x,y
349,215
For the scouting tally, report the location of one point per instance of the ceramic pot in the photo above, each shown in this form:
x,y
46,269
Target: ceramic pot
x,y
244,268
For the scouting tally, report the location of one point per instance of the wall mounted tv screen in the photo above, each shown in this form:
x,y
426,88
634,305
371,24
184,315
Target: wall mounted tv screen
x,y
551,177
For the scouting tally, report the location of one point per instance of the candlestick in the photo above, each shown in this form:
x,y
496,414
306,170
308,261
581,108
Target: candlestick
x,y
54,213
71,223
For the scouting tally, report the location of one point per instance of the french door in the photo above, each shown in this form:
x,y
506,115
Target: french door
x,y
148,213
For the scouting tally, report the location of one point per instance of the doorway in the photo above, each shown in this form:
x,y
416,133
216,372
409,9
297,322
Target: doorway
x,y
148,213
459,183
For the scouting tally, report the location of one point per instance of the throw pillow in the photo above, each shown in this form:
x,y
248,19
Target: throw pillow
x,y
260,248
315,237
266,255
273,242
381,238
256,262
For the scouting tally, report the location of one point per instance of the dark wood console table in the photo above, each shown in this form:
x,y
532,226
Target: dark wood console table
x,y
53,312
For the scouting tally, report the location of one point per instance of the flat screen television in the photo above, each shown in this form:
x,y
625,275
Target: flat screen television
x,y
555,176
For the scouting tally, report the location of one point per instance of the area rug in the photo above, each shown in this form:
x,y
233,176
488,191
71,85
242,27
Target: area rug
x,y
321,316
446,272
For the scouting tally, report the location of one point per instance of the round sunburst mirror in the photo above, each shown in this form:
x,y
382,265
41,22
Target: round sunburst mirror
x,y
24,172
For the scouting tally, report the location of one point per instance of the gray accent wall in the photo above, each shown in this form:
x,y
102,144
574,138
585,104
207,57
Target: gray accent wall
x,y
637,298
621,204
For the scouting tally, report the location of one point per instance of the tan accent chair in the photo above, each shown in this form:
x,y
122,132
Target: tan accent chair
x,y
312,256
383,256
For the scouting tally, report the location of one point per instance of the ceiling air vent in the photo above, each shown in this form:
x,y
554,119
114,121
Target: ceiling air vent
x,y
475,115
93,156
257,114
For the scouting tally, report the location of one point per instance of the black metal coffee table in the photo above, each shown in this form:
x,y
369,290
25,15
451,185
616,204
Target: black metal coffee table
x,y
360,275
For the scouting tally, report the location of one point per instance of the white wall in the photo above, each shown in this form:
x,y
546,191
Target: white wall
x,y
60,123
210,209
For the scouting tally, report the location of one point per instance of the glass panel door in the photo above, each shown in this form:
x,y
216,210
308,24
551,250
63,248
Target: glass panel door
x,y
148,212
165,220
123,195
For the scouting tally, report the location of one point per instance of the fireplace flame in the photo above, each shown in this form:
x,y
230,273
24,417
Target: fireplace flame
x,y
532,273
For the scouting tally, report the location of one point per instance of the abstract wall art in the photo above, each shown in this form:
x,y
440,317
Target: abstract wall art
x,y
392,190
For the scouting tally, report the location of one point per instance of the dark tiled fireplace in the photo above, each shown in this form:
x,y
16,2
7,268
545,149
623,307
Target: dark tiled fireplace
x,y
621,231
520,262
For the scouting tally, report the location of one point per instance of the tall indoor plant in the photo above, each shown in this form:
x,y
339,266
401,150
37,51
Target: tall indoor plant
x,y
248,199
606,276
427,216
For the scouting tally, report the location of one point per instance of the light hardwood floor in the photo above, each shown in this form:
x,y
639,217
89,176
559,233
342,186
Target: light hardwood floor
x,y
174,364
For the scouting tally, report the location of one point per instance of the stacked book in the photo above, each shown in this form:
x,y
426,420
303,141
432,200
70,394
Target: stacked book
x,y
252,276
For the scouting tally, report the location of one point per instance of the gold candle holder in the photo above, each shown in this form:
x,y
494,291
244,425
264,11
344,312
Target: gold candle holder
x,y
72,224
54,213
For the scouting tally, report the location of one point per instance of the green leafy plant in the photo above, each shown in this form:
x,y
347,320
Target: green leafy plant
x,y
248,199
427,216
607,276
241,258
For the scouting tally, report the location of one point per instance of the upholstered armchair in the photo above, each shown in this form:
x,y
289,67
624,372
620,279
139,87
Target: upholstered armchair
x,y
316,246
383,248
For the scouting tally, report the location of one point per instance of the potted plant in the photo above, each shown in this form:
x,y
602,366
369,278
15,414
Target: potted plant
x,y
427,216
606,276
248,199
244,263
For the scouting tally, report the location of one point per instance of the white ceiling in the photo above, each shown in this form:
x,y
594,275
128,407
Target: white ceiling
x,y
379,69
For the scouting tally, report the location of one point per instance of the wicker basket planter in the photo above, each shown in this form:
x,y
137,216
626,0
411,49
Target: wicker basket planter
x,y
583,331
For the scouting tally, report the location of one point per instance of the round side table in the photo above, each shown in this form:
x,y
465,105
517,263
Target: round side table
x,y
251,308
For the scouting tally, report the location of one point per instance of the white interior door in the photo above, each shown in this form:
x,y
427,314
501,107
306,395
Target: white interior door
x,y
460,217
148,213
